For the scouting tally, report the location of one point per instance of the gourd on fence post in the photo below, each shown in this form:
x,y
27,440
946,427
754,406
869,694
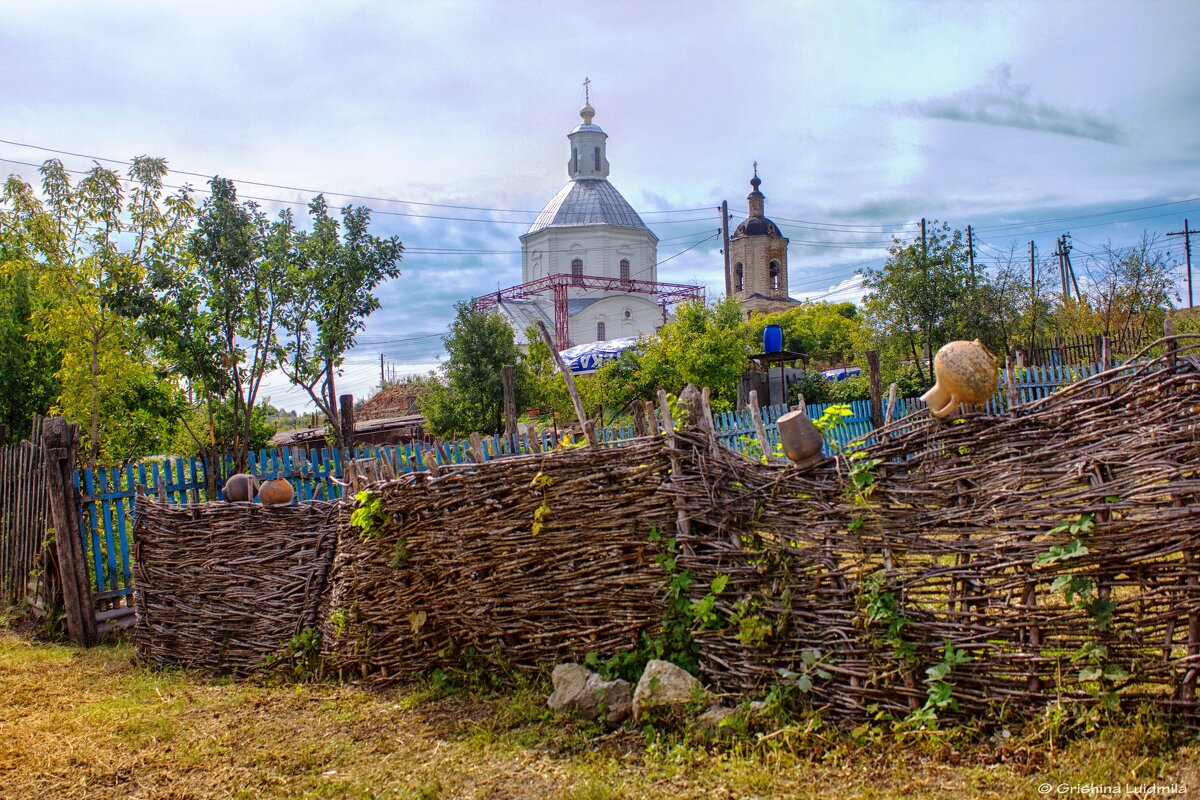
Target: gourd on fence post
x,y
58,447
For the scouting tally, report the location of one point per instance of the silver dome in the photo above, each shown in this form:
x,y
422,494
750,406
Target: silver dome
x,y
587,202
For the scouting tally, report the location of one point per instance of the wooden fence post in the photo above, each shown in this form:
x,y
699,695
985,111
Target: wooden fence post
x,y
876,389
1011,382
639,418
346,420
510,404
59,461
589,430
760,432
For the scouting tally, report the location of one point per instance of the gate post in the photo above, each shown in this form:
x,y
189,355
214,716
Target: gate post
x,y
58,453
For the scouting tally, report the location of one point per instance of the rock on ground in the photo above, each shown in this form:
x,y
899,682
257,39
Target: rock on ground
x,y
665,692
580,691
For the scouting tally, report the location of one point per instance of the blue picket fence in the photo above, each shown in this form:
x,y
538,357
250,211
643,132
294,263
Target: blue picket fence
x,y
107,506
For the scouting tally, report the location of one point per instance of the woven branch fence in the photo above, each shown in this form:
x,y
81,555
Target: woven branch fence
x,y
518,563
223,586
949,543
940,545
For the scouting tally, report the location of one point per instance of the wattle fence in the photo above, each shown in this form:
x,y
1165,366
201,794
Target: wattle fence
x,y
107,494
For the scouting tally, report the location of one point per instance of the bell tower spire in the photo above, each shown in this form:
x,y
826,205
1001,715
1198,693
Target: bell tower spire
x,y
589,157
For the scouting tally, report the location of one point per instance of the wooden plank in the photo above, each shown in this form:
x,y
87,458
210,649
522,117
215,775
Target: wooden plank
x,y
58,444
89,518
110,545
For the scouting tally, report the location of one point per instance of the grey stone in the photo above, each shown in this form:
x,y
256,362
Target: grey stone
x,y
664,693
580,691
714,715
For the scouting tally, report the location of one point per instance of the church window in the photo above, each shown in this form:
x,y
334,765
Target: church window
x,y
737,277
597,159
624,269
600,337
575,159
577,271
775,276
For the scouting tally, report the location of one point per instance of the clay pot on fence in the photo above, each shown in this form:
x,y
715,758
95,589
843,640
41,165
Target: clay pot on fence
x,y
801,440
240,488
966,372
275,492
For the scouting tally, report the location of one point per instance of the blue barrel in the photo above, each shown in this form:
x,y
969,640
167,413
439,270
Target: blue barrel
x,y
772,339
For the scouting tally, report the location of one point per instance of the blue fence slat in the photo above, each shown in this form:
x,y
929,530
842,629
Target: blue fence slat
x,y
109,543
123,529
90,529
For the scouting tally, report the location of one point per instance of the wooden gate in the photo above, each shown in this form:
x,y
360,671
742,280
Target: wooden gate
x,y
22,518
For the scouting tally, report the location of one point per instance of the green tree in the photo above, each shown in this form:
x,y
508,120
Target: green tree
x,y
925,295
234,302
89,248
810,328
1131,289
28,363
333,280
704,345
470,395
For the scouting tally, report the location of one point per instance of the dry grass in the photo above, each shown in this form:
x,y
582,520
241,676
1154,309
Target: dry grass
x,y
83,724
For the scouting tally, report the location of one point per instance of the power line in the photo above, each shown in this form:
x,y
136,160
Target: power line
x,y
268,185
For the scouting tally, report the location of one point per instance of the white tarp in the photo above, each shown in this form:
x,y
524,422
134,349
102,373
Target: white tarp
x,y
584,359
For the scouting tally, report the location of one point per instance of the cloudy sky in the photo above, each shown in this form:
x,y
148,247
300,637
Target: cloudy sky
x,y
1023,119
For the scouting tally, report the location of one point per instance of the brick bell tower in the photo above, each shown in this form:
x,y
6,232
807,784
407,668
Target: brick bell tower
x,y
758,259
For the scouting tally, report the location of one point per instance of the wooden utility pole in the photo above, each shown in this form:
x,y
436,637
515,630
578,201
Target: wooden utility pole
x,y
382,379
971,253
1067,248
58,449
725,246
924,248
1062,267
1187,235
510,404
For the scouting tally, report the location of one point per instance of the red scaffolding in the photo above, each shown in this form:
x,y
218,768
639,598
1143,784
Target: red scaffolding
x,y
558,284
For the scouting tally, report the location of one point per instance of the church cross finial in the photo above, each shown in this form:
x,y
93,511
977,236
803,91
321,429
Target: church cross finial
x,y
587,90
756,169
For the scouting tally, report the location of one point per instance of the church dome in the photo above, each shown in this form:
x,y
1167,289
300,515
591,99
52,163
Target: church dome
x,y
758,226
588,202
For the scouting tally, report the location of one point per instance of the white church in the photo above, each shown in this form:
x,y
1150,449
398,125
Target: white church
x,y
589,264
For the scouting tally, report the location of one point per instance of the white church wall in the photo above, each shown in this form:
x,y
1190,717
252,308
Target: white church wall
x,y
550,250
622,315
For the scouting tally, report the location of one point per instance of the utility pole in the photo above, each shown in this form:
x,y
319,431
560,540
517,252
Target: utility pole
x,y
971,253
1032,293
1067,248
923,247
382,380
1187,235
725,246
1060,251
